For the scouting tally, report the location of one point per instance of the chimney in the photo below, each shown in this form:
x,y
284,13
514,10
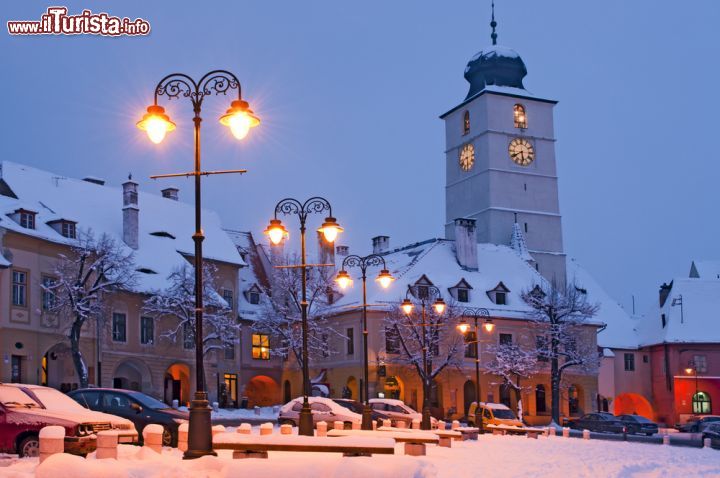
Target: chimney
x,y
665,292
342,251
466,243
380,244
326,250
130,214
170,193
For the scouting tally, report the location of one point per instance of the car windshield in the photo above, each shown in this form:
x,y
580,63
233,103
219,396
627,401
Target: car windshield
x,y
13,397
55,400
352,406
503,414
149,402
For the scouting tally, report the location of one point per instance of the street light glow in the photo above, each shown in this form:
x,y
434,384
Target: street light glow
x,y
156,123
276,231
439,306
343,279
463,327
330,229
385,278
407,306
488,326
239,118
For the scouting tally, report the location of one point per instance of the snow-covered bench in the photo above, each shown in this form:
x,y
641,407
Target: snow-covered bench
x,y
468,433
531,432
254,446
414,440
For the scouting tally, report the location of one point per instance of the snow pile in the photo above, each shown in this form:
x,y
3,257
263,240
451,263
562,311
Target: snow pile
x,y
52,431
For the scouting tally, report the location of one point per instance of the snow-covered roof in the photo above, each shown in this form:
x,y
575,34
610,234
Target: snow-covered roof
x,y
705,269
99,208
619,331
436,259
255,275
697,320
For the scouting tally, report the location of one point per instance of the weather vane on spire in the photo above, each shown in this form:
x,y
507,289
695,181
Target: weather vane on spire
x,y
493,24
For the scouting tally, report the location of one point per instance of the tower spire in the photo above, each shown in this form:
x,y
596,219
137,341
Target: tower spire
x,y
493,24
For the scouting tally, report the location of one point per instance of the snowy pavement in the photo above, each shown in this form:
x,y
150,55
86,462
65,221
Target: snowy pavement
x,y
491,455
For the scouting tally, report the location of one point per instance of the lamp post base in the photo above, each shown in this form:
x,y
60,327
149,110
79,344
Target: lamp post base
x,y
306,420
199,428
479,421
366,418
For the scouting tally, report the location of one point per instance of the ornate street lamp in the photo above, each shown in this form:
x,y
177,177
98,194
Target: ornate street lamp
x,y
240,118
276,231
464,328
425,293
385,279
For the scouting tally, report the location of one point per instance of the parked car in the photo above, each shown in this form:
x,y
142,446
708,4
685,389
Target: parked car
x,y
712,431
55,400
398,410
598,422
494,414
22,417
139,408
697,424
323,410
638,424
377,416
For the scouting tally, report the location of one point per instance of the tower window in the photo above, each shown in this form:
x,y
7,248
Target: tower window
x,y
519,116
466,122
526,228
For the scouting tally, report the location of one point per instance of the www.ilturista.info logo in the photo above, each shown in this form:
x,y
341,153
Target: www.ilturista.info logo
x,y
57,22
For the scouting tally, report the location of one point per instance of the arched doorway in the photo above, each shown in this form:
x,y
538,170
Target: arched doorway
x,y
352,386
177,384
287,392
575,400
57,369
394,388
262,391
132,374
468,395
633,404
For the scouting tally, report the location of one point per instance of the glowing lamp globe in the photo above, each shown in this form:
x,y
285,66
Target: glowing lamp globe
x,y
239,118
385,278
439,306
276,231
463,327
330,229
488,326
156,123
343,279
407,306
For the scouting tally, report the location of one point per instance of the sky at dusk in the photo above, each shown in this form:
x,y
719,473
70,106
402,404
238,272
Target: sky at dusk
x,y
349,94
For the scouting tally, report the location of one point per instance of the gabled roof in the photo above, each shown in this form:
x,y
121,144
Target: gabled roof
x,y
463,284
255,277
696,321
99,208
500,287
705,269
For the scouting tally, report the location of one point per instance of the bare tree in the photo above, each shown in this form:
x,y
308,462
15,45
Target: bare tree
x,y
281,317
92,269
177,302
427,344
513,363
560,315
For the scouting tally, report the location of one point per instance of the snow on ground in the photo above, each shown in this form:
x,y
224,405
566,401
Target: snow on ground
x,y
491,455
241,413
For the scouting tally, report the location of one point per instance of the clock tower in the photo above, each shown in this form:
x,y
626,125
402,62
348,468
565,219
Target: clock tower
x,y
500,160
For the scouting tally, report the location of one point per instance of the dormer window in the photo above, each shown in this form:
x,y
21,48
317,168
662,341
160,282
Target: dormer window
x,y
461,291
27,219
519,116
252,295
466,122
64,227
254,298
67,229
499,294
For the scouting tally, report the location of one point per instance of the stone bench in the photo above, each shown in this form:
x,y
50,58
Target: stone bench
x,y
253,446
414,440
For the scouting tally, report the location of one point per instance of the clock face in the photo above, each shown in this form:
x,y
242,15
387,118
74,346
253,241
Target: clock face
x,y
467,157
521,151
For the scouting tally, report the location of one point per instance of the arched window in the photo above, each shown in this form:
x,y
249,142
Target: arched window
x,y
466,122
519,116
573,400
540,403
701,403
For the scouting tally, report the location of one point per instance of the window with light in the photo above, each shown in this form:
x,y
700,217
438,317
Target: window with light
x,y
260,347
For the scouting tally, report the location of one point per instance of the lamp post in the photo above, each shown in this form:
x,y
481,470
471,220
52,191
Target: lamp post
x,y
464,328
239,118
276,231
692,368
385,279
425,293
